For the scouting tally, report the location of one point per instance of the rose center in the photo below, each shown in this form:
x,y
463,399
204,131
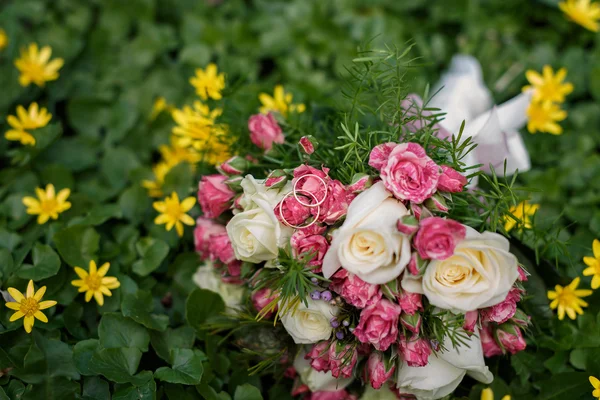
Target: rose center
x,y
452,274
247,239
367,244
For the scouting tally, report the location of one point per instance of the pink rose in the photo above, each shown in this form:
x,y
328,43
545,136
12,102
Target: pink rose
x,y
511,338
203,232
451,180
264,131
262,298
214,195
488,343
378,324
310,241
221,249
342,362
319,356
408,172
502,312
437,237
471,318
415,351
337,395
336,203
354,290
376,370
290,211
410,302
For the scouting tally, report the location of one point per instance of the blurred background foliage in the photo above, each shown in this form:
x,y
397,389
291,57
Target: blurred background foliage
x,y
120,55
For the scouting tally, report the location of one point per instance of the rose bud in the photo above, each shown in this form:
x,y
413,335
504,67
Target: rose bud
x,y
511,338
417,265
520,318
360,182
410,302
503,311
264,131
451,180
411,322
234,183
471,318
261,299
236,165
523,274
308,144
379,369
276,179
214,195
437,203
408,224
488,342
415,351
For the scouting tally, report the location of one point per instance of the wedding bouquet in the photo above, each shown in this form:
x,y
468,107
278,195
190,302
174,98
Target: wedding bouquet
x,y
366,259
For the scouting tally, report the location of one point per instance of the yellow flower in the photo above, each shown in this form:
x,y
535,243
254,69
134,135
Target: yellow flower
x,y
547,86
48,204
209,82
35,67
173,213
3,39
281,102
154,187
522,212
596,384
160,105
29,306
175,154
488,394
568,299
582,12
26,120
593,264
95,283
543,116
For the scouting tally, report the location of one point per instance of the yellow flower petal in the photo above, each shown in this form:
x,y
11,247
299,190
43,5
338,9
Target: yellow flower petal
x,y
16,316
15,294
41,316
46,304
28,323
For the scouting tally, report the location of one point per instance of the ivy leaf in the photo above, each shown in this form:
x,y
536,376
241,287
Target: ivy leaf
x,y
118,365
82,356
186,367
46,263
116,331
77,245
139,307
200,306
95,388
53,389
247,392
164,342
146,391
153,252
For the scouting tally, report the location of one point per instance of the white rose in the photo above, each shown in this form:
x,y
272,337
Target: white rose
x,y
445,371
378,394
315,380
206,277
479,274
368,243
311,322
256,235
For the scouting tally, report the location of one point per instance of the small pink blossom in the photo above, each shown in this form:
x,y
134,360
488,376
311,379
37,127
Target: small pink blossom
x,y
376,370
310,240
451,180
214,195
415,351
336,203
410,302
407,172
234,166
203,232
378,324
471,318
437,237
264,131
354,290
488,343
306,144
411,322
221,249
503,311
290,211
262,298
360,182
342,361
523,274
511,338
319,356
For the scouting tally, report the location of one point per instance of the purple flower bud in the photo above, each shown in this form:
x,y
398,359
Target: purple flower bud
x,y
326,295
345,322
334,322
314,280
351,329
316,295
339,335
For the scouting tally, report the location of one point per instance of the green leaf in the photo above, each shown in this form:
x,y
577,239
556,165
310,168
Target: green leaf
x,y
9,240
116,331
247,392
117,365
77,245
6,264
46,263
179,179
134,203
100,214
570,385
153,252
147,391
200,306
54,389
164,342
186,367
82,355
139,307
95,389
